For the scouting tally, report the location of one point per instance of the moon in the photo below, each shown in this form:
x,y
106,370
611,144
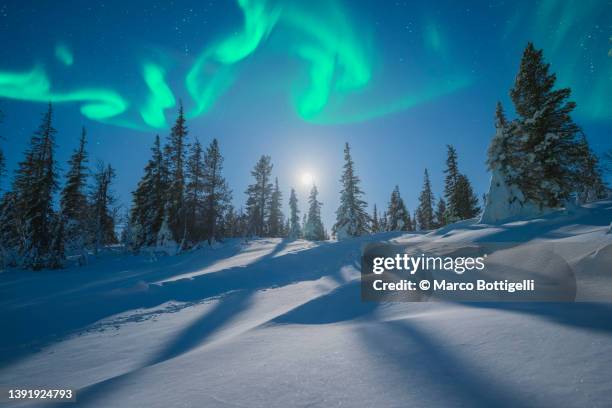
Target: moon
x,y
307,179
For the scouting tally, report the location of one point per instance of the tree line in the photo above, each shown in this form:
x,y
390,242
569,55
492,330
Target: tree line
x,y
183,199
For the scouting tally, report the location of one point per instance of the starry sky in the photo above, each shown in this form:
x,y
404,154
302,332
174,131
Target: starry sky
x,y
295,80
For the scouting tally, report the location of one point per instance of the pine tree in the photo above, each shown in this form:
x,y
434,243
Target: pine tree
x,y
294,231
149,200
34,186
275,217
102,221
73,201
175,155
375,223
424,214
397,214
440,215
352,220
217,194
194,193
313,229
259,195
549,145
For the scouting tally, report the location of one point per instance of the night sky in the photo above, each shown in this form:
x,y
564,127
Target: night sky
x,y
295,79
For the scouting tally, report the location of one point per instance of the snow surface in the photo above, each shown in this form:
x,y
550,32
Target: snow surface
x,y
278,323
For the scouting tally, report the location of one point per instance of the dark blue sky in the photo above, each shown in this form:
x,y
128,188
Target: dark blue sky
x,y
295,79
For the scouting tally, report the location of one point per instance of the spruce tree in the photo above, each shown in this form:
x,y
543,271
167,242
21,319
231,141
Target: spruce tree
x,y
466,200
313,228
549,145
425,217
57,254
275,217
194,193
591,186
450,184
175,155
10,227
73,201
375,223
149,200
352,220
217,194
34,186
383,222
258,196
397,214
295,231
440,214
230,223
102,218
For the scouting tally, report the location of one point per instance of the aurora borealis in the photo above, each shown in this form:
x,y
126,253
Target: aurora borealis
x,y
286,71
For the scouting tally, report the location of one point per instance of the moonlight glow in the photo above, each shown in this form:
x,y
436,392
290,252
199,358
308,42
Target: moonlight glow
x,y
307,179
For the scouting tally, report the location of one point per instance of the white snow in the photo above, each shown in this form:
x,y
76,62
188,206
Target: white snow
x,y
505,202
277,323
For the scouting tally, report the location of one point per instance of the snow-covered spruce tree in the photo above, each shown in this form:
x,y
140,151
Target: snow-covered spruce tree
x,y
425,214
295,231
313,228
217,194
10,224
549,149
102,218
440,214
165,239
383,222
352,219
194,193
73,202
375,227
148,200
175,152
504,199
275,214
397,215
258,196
34,186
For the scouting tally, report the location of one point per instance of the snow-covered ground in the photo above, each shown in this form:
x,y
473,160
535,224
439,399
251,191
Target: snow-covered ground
x,y
275,323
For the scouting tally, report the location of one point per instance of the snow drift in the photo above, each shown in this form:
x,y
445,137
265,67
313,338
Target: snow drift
x,y
276,323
